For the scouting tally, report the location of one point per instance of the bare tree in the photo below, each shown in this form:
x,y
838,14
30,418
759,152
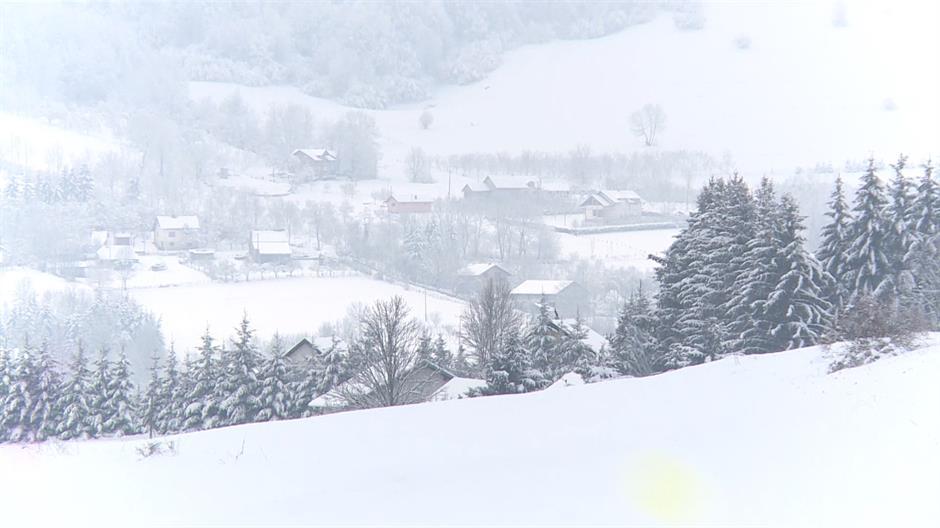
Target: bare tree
x,y
417,166
487,321
386,373
648,122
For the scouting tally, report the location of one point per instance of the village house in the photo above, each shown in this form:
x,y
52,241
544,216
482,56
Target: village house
x,y
176,232
269,246
427,382
567,298
471,279
116,249
413,204
314,164
307,350
612,207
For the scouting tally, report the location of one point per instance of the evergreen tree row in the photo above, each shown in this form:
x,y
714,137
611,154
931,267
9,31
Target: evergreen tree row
x,y
215,388
71,186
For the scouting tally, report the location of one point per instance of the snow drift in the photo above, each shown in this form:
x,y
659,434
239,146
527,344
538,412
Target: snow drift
x,y
770,441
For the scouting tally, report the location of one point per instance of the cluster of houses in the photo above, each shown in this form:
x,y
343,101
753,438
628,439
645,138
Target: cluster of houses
x,y
599,207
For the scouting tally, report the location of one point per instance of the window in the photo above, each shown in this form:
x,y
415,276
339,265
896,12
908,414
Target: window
x,y
172,234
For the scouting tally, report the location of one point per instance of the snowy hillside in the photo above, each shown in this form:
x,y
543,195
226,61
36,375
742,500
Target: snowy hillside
x,y
758,440
776,85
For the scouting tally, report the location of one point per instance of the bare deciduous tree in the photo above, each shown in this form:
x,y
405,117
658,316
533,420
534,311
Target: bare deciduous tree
x,y
648,122
417,166
487,321
386,373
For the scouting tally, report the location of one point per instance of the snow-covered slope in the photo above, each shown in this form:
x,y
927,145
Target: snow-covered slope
x,y
756,441
803,91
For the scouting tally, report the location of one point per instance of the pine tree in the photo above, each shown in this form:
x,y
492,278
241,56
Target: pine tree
x,y
901,234
796,309
153,401
18,405
172,394
5,383
239,381
749,324
76,400
12,190
99,397
834,250
202,409
46,412
572,350
632,347
441,355
869,264
120,419
926,206
335,369
510,370
424,346
541,341
275,397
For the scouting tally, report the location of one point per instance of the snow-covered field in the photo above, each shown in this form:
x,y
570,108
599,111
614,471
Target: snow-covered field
x,y
43,145
751,441
619,250
288,306
802,92
12,279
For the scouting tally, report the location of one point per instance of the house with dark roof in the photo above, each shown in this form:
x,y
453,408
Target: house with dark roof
x,y
314,163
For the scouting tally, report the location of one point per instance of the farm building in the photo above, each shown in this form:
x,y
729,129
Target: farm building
x,y
427,382
176,232
314,164
471,279
566,297
410,205
269,246
612,207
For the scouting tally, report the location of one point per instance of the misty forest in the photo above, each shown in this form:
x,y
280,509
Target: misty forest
x,y
469,263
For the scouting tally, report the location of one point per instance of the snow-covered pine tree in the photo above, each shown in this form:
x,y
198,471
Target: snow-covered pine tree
x,y
441,355
121,402
797,309
275,398
510,369
541,342
46,411
748,322
153,401
335,369
173,395
926,207
17,407
572,350
632,346
76,400
424,346
5,383
239,382
201,409
901,235
99,397
869,264
833,251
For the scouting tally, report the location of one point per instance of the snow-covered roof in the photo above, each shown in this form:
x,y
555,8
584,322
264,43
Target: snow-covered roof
x,y
270,242
541,287
116,252
592,338
317,154
411,198
456,388
178,222
477,269
622,196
